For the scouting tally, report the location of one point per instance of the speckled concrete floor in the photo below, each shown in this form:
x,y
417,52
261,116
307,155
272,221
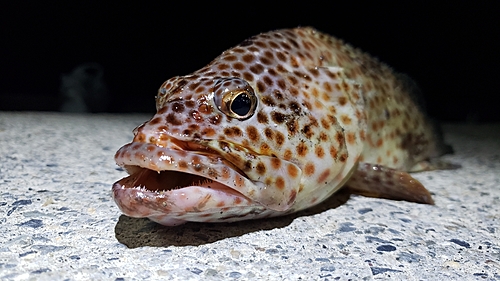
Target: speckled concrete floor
x,y
59,221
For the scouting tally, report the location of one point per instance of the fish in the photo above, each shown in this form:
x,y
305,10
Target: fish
x,y
275,125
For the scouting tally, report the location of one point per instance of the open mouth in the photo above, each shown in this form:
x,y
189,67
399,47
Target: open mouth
x,y
166,180
161,182
172,186
158,170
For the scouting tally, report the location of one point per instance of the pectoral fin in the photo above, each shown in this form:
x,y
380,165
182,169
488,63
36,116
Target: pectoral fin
x,y
379,181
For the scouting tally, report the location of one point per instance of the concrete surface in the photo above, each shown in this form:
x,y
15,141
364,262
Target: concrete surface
x,y
59,221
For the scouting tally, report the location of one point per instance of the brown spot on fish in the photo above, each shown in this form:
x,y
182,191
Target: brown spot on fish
x,y
339,137
178,107
221,66
346,120
322,178
288,154
261,168
233,132
325,123
265,149
308,131
252,133
229,58
333,152
302,149
379,142
215,119
140,137
183,164
320,152
269,133
248,58
248,76
280,138
292,171
280,183
342,100
309,169
294,92
256,69
278,117
351,138
238,66
172,119
262,117
323,137
155,121
208,132
343,157
278,95
292,126
267,100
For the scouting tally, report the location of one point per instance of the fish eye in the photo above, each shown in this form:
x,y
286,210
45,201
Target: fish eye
x,y
241,104
235,98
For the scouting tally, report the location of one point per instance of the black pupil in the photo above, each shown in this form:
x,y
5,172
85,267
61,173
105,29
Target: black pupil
x,y
241,104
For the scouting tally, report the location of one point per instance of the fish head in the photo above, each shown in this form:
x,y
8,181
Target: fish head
x,y
247,136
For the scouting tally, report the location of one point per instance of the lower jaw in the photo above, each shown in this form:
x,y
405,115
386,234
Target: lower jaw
x,y
213,202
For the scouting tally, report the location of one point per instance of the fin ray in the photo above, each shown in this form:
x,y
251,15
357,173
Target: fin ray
x,y
379,181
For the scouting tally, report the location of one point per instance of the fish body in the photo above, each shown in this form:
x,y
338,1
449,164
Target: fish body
x,y
273,126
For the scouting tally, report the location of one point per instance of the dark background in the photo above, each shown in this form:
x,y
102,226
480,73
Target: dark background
x,y
450,49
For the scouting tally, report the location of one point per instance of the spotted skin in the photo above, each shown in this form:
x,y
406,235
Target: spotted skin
x,y
273,126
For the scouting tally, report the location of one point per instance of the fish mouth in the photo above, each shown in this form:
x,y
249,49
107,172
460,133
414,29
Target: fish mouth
x,y
168,185
160,169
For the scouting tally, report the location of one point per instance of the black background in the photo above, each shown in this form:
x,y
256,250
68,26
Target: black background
x,y
450,49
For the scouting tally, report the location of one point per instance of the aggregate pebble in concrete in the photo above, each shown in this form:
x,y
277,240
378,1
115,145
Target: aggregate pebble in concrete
x,y
59,221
